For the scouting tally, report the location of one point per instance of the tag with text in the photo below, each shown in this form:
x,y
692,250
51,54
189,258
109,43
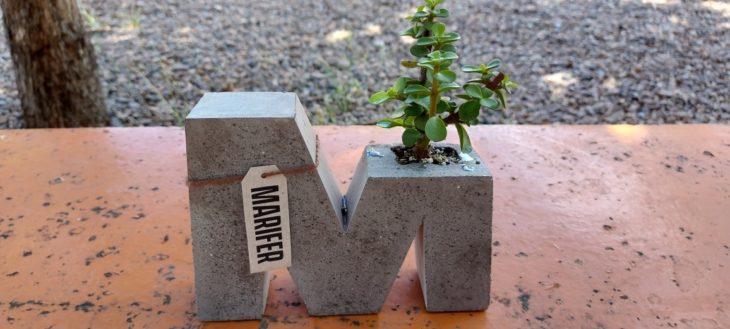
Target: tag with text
x,y
266,212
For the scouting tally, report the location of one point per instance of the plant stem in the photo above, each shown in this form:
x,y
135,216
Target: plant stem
x,y
421,148
435,97
424,73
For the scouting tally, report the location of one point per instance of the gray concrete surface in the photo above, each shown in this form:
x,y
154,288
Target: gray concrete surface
x,y
453,210
340,265
228,133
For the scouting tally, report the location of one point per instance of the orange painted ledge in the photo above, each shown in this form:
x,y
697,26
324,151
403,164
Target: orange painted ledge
x,y
594,227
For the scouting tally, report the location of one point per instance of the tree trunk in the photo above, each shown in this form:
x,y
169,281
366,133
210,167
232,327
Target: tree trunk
x,y
55,65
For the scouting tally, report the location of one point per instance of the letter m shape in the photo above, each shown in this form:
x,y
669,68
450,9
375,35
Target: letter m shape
x,y
339,265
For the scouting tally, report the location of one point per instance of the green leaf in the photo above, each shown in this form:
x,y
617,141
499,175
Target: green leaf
x,y
411,137
442,106
450,37
408,64
411,32
408,121
502,98
446,76
471,69
464,140
438,29
417,91
413,110
477,91
449,55
425,102
400,84
448,86
494,64
446,63
486,93
392,93
425,65
421,31
469,111
420,122
390,123
419,51
421,14
398,112
425,41
436,129
449,47
443,13
434,3
490,103
438,55
434,56
379,98
473,90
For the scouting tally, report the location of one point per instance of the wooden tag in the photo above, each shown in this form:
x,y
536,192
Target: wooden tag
x,y
266,212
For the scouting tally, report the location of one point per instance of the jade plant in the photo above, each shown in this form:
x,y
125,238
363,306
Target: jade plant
x,y
425,107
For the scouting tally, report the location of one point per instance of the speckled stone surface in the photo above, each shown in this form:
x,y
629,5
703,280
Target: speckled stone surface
x,y
593,226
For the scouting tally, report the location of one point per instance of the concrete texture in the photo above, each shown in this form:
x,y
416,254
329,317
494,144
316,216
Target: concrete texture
x,y
227,134
594,226
338,269
351,271
450,208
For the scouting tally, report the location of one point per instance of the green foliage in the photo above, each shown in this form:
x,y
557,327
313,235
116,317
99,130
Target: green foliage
x,y
342,86
411,136
426,108
90,20
436,128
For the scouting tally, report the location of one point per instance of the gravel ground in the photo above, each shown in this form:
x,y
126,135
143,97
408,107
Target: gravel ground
x,y
579,62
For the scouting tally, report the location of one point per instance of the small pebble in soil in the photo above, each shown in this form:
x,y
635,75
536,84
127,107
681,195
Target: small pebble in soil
x,y
465,157
436,155
373,153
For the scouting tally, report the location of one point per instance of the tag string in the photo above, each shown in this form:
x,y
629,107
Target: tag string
x,y
228,180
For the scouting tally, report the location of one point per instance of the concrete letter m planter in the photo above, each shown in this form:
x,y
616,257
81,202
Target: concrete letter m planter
x,y
342,263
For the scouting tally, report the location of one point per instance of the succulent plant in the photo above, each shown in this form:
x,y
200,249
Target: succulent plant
x,y
425,109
